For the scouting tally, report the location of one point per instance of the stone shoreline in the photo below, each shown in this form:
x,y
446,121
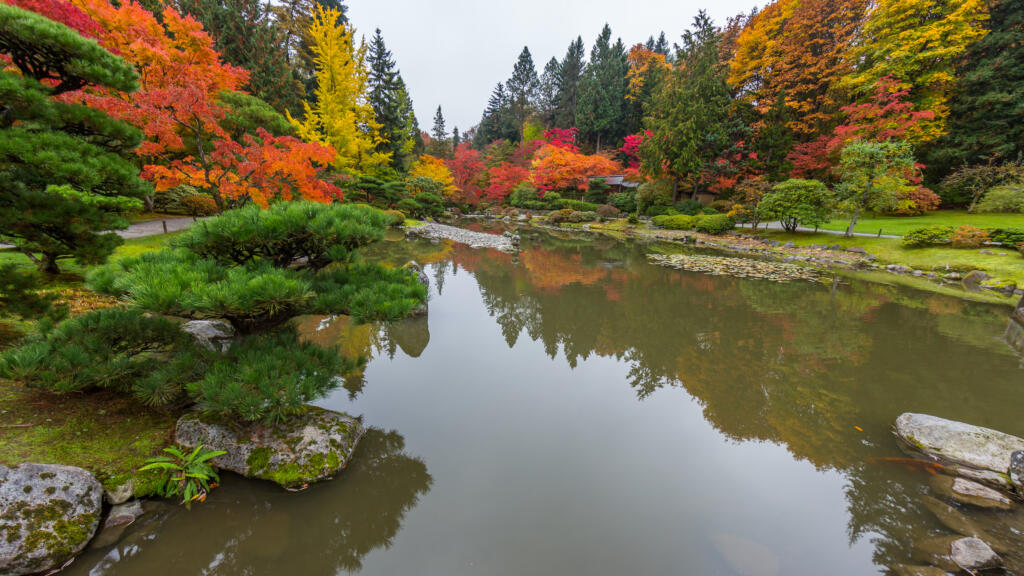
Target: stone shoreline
x,y
433,230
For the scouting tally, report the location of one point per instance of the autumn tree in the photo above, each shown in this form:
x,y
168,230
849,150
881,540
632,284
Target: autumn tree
x,y
468,172
503,178
986,109
295,19
773,140
558,168
64,171
602,92
342,116
800,48
917,43
647,71
693,127
570,73
434,168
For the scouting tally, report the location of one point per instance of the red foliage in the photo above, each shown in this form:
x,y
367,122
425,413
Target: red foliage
x,y
64,12
562,138
469,172
561,169
917,202
631,148
504,178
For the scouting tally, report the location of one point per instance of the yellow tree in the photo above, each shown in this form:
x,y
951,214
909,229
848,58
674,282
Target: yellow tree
x,y
342,115
434,169
918,42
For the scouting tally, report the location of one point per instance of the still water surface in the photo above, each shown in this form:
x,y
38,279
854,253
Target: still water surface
x,y
575,410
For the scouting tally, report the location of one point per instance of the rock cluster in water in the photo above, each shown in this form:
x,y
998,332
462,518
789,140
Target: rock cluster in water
x,y
433,230
739,267
978,495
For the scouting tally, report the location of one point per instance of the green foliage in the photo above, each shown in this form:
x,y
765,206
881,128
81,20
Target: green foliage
x,y
677,222
1006,198
247,113
633,220
268,377
189,476
64,175
797,202
318,233
367,292
113,348
19,295
524,193
600,106
928,236
689,206
715,224
967,185
655,193
577,205
597,191
1007,236
625,201
873,176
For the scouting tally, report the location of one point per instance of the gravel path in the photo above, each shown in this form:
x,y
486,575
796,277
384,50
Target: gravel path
x,y
462,236
778,226
148,228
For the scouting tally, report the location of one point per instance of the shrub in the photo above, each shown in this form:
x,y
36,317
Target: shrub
x,y
410,207
269,377
608,212
533,205
578,205
719,207
633,219
560,216
1007,198
430,204
656,193
689,206
597,191
1007,236
917,202
968,237
714,224
676,222
928,236
366,292
797,202
625,201
396,218
284,233
522,194
111,348
658,210
1020,248
197,206
582,216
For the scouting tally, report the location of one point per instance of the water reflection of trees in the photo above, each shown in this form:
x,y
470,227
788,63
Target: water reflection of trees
x,y
328,529
809,367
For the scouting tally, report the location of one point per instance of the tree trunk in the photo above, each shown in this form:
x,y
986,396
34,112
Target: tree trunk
x,y
598,151
48,265
675,190
853,222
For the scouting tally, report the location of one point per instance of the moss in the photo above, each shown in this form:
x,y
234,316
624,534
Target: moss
x,y
258,460
48,528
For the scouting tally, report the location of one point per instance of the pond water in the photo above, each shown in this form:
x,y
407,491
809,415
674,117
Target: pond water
x,y
576,410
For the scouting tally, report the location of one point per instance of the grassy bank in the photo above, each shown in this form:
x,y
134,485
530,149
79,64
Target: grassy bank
x,y
900,225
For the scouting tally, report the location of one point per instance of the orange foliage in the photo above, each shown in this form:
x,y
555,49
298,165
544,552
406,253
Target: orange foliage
x,y
556,168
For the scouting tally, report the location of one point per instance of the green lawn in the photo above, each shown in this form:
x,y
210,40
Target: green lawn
x,y
938,259
132,247
900,225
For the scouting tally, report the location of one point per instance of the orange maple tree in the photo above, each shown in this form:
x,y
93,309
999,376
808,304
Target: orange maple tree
x,y
557,168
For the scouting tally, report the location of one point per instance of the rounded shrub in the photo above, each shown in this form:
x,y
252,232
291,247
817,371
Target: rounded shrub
x,y
676,222
714,224
928,236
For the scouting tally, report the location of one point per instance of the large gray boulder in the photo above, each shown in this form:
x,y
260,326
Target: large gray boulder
x,y
48,514
214,335
305,449
959,443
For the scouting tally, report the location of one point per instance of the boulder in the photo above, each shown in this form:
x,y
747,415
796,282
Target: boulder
x,y
120,494
48,514
416,269
120,518
1017,471
955,553
214,335
959,443
857,250
307,448
972,281
969,493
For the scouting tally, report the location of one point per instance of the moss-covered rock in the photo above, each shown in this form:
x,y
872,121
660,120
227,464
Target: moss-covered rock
x,y
48,514
308,448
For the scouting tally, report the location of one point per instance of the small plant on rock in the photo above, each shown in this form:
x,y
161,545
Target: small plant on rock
x,y
189,476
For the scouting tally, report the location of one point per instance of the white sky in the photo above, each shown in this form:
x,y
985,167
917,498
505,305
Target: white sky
x,y
452,52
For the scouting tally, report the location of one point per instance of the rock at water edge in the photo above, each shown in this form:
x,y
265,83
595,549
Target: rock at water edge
x,y
48,514
307,448
958,442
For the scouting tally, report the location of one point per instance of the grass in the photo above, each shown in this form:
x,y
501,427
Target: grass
x,y
937,259
105,433
131,247
900,225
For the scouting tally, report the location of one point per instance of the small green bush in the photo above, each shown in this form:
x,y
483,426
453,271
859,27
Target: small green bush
x,y
1006,198
689,206
578,217
658,210
577,205
1007,236
797,202
625,201
656,193
522,194
928,236
714,224
597,191
633,219
396,218
676,222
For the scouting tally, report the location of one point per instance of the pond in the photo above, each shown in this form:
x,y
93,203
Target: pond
x,y
576,410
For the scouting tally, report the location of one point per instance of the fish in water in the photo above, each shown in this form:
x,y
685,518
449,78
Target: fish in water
x,y
911,464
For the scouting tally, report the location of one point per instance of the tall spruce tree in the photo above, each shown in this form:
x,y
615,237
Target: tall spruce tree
x,y
439,143
987,111
692,120
602,93
294,18
456,138
548,92
522,90
65,175
570,72
247,35
497,123
386,101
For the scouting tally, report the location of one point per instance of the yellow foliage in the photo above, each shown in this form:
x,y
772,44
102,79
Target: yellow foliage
x,y
434,168
342,115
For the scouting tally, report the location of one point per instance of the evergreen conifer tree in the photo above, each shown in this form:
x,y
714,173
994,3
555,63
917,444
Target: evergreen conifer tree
x,y
602,93
522,90
570,73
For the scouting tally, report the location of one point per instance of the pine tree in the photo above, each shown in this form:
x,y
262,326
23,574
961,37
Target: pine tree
x,y
522,90
295,18
496,123
385,98
774,140
987,108
246,35
602,93
64,175
456,138
692,122
548,92
570,73
439,144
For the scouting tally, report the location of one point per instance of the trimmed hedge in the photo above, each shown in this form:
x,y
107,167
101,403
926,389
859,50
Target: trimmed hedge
x,y
715,224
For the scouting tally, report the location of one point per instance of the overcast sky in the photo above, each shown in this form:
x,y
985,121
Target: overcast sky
x,y
452,52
